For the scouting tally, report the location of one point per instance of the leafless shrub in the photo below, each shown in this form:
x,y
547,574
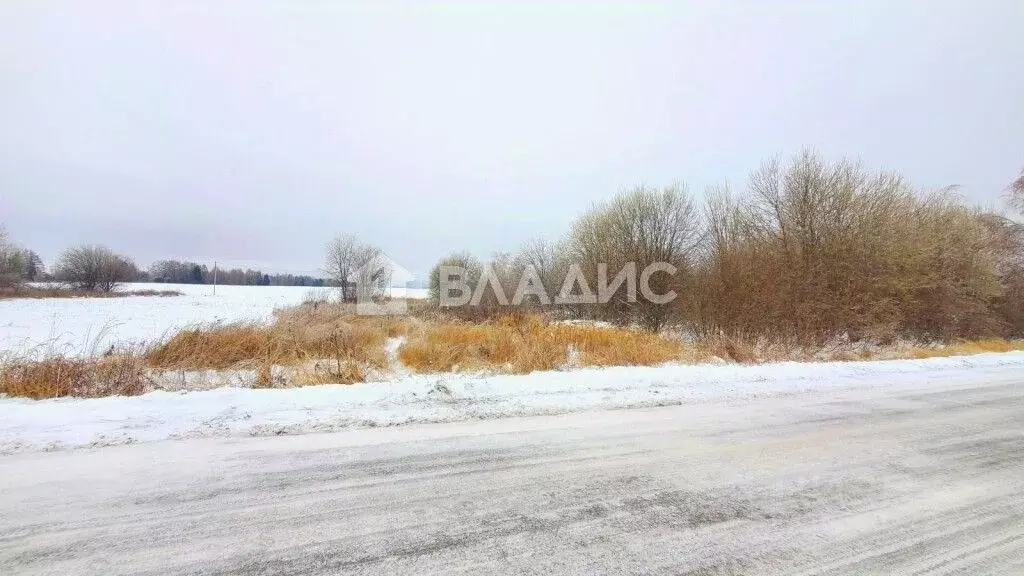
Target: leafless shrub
x,y
473,271
641,227
93,268
462,260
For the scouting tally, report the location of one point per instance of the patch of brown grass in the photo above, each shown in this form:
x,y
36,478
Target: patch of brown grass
x,y
521,344
319,315
329,334
966,348
747,351
734,349
248,346
123,374
217,348
332,371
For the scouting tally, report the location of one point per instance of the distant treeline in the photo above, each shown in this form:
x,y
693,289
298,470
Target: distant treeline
x,y
93,267
178,272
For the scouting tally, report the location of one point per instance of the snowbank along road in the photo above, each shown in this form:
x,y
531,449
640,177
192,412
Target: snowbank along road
x,y
856,480
29,425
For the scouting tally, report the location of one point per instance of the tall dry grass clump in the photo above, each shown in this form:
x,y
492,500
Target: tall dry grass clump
x,y
121,374
218,348
521,344
298,335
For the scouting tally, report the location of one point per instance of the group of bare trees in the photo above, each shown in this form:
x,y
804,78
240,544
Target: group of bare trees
x,y
83,267
593,272
810,250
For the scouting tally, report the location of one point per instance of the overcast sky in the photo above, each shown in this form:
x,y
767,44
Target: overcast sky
x,y
252,131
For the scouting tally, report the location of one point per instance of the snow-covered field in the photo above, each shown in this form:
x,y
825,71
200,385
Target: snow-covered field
x,y
89,325
65,423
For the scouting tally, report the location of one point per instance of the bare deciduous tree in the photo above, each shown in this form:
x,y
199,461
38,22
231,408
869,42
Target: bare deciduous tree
x,y
357,267
1015,194
549,259
93,268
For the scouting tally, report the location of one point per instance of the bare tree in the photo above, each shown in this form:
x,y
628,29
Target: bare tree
x,y
549,259
357,267
93,268
1015,194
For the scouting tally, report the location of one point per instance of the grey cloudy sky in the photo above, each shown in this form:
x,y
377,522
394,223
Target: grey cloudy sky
x,y
252,131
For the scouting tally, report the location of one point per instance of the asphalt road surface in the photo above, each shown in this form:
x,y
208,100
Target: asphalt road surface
x,y
880,479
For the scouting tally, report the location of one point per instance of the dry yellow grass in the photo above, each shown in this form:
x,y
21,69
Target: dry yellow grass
x,y
768,350
521,344
967,348
124,374
252,346
325,342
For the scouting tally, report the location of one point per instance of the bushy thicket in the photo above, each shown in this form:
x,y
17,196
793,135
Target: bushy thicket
x,y
94,268
813,250
808,252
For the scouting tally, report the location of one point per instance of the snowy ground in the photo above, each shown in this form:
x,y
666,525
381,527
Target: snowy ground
x,y
91,325
66,423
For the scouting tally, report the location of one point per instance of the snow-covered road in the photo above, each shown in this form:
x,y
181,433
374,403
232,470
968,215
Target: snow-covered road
x,y
27,425
889,468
